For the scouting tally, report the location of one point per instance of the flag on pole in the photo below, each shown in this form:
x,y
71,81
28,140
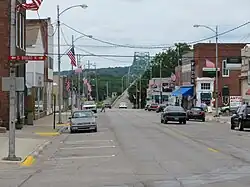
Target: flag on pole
x,y
34,5
67,85
78,70
71,55
173,77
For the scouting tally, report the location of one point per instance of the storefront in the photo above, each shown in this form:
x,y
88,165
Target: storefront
x,y
184,96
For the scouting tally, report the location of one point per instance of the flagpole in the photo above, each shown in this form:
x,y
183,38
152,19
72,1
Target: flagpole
x,y
79,77
72,81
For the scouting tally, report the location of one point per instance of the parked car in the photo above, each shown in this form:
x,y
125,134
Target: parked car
x,y
241,118
153,107
160,108
147,106
196,113
83,120
174,113
123,105
107,105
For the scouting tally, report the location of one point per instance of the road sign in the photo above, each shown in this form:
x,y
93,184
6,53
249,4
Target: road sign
x,y
6,84
32,58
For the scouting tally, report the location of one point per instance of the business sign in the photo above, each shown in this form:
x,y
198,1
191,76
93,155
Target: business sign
x,y
192,72
235,101
233,63
29,58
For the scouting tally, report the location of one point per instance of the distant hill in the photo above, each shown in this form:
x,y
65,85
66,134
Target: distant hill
x,y
115,71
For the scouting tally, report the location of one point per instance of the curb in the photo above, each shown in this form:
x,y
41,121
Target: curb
x,y
31,158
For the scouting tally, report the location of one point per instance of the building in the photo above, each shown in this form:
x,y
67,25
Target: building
x,y
154,89
4,53
39,74
228,80
245,73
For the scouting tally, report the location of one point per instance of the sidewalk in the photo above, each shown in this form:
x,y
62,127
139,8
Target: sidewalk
x,y
220,119
32,139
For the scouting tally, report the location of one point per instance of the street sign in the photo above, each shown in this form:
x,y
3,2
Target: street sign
x,y
31,58
6,84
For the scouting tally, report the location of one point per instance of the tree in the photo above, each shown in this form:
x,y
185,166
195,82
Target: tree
x,y
168,60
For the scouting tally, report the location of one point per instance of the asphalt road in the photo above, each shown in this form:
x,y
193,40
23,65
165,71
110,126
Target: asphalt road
x,y
132,148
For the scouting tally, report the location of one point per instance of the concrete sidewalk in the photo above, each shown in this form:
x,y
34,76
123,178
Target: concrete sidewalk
x,y
33,139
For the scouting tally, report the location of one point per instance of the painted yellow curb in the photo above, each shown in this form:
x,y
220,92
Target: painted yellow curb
x,y
28,161
47,133
63,125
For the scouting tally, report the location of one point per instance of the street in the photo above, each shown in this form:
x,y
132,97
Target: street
x,y
132,148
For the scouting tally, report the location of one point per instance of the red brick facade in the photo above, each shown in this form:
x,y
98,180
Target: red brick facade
x,y
203,51
4,53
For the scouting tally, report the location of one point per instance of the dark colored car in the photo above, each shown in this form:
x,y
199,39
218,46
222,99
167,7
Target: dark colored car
x,y
197,113
241,118
83,120
147,106
152,107
174,113
160,108
107,105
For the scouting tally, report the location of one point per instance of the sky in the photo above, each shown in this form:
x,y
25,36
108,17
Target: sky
x,y
141,23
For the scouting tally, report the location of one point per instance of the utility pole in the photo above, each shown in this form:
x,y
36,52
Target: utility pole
x,y
160,82
140,94
88,78
59,66
12,91
136,96
216,77
96,85
72,81
107,89
78,86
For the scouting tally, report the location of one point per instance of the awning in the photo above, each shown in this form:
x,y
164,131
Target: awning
x,y
248,92
184,91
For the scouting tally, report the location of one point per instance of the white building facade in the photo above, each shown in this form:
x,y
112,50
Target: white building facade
x,y
39,74
204,90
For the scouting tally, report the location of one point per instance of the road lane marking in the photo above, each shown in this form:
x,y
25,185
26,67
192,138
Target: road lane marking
x,y
213,150
83,157
87,141
97,147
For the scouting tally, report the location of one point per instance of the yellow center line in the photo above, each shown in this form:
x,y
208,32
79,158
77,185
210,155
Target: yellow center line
x,y
213,150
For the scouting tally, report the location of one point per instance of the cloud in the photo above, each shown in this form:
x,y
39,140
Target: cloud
x,y
146,22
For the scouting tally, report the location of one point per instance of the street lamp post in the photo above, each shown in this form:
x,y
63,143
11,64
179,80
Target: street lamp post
x,y
59,56
216,64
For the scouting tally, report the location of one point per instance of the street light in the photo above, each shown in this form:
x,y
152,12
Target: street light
x,y
216,64
59,56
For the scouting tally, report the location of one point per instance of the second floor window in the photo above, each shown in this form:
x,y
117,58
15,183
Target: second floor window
x,y
205,86
225,71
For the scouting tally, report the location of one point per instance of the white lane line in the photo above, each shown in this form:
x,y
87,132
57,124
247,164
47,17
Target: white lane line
x,y
87,141
96,147
83,157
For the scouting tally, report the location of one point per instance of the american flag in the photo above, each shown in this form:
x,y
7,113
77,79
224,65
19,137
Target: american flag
x,y
71,55
173,77
67,85
34,5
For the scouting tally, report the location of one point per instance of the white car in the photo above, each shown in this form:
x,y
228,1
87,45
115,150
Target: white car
x,y
90,105
123,105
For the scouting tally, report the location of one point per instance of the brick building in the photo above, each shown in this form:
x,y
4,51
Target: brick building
x,y
4,53
229,83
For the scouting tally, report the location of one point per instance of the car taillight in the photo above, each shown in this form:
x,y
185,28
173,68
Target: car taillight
x,y
201,113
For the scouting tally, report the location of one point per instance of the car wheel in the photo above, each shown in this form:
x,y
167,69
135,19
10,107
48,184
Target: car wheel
x,y
162,121
95,130
184,122
71,131
203,119
232,126
187,119
241,126
165,121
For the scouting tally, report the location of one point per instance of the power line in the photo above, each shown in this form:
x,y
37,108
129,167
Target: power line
x,y
152,46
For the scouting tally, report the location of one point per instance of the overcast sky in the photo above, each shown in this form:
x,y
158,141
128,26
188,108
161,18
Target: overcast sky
x,y
143,22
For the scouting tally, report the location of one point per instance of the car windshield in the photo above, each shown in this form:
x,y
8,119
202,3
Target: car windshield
x,y
83,114
89,102
174,108
197,109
